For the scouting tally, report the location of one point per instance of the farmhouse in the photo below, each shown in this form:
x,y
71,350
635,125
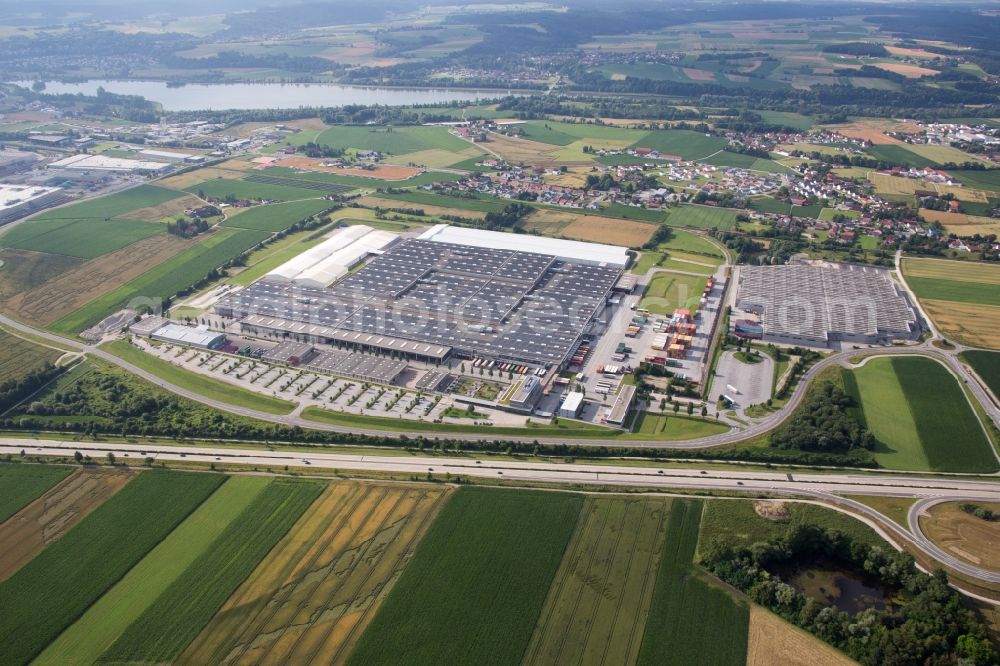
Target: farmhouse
x,y
822,304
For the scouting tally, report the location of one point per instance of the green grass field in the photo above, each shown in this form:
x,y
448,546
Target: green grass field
x,y
726,158
770,205
476,585
788,119
174,619
899,155
418,197
564,427
673,427
20,485
987,366
87,638
686,144
112,205
60,583
391,140
685,241
277,217
703,217
221,188
563,134
18,357
359,181
86,229
920,416
85,238
667,291
955,290
598,601
198,383
177,273
981,180
691,621
736,522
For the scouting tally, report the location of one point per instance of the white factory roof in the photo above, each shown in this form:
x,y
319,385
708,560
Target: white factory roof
x,y
324,273
287,271
189,335
12,196
573,401
102,163
165,154
591,253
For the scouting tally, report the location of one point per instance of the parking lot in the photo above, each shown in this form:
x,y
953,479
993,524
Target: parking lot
x,y
607,337
351,396
752,381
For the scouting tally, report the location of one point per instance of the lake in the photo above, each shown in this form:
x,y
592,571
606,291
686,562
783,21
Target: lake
x,y
217,96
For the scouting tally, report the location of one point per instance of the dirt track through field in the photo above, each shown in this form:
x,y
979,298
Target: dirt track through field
x,y
311,598
53,514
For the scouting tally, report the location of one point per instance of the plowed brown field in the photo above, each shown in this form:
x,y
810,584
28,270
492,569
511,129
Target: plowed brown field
x,y
56,298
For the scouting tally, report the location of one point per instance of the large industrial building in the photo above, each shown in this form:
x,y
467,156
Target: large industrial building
x,y
87,162
820,304
17,201
453,291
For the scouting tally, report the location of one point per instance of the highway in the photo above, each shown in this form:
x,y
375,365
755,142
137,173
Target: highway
x,y
828,488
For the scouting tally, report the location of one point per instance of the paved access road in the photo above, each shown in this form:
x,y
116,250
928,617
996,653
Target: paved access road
x,y
758,428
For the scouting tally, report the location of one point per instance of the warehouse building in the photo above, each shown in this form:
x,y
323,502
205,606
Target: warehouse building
x,y
192,336
290,353
322,265
15,161
525,393
362,367
579,251
429,299
821,304
17,201
86,162
571,405
618,412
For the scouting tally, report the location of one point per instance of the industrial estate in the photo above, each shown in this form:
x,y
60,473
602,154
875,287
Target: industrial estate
x,y
414,333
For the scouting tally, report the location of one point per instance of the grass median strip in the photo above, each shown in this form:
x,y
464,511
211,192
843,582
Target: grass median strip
x,y
88,638
49,593
166,627
202,385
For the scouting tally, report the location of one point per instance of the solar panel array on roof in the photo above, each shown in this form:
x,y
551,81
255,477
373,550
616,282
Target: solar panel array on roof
x,y
826,302
503,304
